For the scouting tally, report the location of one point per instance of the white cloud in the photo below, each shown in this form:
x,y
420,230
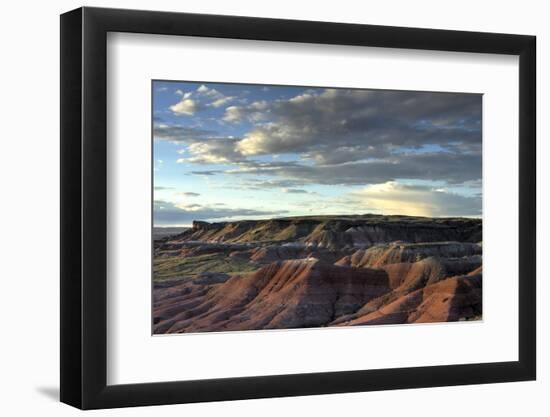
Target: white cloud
x,y
254,112
186,107
232,114
203,89
218,98
270,138
183,94
212,151
221,101
302,98
253,143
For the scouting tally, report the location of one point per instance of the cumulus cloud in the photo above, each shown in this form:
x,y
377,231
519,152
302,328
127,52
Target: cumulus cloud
x,y
186,106
166,212
319,122
212,151
256,111
183,94
203,96
221,101
271,139
353,136
217,98
233,114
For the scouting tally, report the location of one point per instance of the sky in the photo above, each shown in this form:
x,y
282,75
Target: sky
x,y
227,152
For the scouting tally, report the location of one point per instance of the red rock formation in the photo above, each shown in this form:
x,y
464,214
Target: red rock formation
x,y
288,294
453,299
408,276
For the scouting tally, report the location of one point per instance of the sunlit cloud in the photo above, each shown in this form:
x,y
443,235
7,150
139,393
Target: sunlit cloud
x,y
186,107
395,198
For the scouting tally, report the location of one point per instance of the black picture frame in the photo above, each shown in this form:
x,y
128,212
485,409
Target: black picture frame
x,y
84,207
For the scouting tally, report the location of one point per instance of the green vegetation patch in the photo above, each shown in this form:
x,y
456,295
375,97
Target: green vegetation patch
x,y
165,268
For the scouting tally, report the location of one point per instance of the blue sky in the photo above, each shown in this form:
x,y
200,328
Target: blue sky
x,y
237,151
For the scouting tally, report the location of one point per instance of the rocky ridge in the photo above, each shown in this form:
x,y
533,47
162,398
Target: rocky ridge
x,y
337,231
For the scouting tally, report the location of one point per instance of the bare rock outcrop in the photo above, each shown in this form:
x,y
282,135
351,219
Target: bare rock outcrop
x,y
409,276
453,299
274,253
405,278
337,232
288,294
400,252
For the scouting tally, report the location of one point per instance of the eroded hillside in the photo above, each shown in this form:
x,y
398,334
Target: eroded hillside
x,y
317,272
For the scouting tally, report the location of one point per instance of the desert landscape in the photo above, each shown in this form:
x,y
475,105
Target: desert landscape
x,y
291,207
317,271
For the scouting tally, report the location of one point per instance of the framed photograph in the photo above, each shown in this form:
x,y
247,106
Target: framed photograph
x,y
259,208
